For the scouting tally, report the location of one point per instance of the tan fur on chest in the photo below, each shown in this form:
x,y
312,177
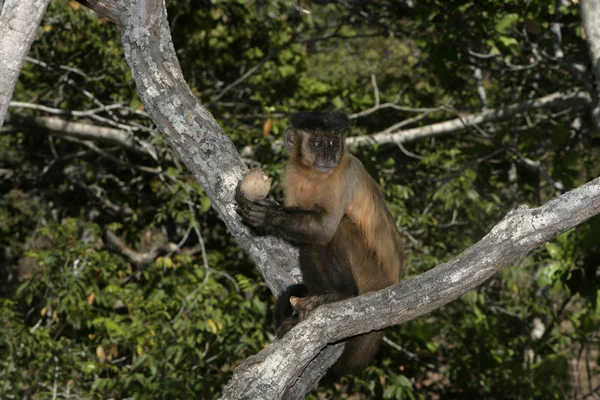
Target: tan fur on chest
x,y
309,190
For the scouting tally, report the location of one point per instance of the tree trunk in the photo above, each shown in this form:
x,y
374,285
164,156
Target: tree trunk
x,y
18,24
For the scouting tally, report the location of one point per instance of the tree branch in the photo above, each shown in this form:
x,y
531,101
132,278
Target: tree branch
x,y
270,373
590,15
190,129
19,20
80,130
574,98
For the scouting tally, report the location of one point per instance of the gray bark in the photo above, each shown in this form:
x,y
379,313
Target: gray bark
x,y
18,24
269,374
590,15
190,129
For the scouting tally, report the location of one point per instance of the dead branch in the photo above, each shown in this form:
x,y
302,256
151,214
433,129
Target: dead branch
x,y
79,130
573,98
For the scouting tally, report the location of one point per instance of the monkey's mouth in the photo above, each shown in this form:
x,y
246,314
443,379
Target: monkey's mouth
x,y
324,167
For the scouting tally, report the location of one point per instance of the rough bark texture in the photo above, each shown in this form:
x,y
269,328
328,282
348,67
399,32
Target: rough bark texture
x,y
590,15
270,373
18,24
574,98
190,129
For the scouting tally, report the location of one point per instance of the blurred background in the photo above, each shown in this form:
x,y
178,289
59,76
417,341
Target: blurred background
x,y
118,280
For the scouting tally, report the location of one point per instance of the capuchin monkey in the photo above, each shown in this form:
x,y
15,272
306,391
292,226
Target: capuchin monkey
x,y
335,214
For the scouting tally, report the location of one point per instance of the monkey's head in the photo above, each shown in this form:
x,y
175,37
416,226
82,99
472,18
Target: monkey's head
x,y
316,139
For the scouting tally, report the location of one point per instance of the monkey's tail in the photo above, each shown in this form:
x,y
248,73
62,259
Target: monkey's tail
x,y
284,313
358,353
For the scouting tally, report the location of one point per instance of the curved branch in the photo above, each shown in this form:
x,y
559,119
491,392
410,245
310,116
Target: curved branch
x,y
190,129
268,374
574,98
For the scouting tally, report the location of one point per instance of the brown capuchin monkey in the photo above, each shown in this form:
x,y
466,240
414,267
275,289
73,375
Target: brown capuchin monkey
x,y
335,214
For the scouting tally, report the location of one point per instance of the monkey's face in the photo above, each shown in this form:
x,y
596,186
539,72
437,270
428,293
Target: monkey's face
x,y
322,151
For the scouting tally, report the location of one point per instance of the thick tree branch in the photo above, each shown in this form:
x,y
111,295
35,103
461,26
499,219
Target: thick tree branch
x,y
270,373
590,14
574,98
18,24
189,128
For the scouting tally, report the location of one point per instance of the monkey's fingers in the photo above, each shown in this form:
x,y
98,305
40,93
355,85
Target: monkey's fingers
x,y
294,301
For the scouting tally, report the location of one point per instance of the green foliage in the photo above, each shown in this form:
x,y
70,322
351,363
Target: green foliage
x,y
78,312
181,321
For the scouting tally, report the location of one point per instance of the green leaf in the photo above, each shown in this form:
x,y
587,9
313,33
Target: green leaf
x,y
506,23
205,204
554,250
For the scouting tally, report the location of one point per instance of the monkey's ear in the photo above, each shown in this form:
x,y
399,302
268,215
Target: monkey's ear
x,y
288,138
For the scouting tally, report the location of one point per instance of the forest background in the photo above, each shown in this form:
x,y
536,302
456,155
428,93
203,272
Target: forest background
x,y
119,280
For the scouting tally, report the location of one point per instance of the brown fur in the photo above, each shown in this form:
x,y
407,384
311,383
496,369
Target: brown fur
x,y
367,240
334,212
376,242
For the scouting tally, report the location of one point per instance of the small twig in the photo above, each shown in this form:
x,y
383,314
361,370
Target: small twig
x,y
480,88
537,165
55,384
410,354
408,153
375,89
555,29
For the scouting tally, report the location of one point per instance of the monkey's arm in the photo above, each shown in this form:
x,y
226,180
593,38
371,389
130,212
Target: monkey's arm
x,y
291,224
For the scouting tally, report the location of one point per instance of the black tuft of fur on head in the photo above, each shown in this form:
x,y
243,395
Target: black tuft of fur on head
x,y
328,121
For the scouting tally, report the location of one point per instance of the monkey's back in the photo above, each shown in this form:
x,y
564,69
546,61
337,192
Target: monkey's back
x,y
378,250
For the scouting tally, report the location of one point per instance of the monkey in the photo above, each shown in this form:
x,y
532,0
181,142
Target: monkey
x,y
335,214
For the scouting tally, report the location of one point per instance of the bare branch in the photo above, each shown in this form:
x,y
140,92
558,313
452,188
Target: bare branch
x,y
536,165
556,31
573,98
18,24
478,75
104,8
136,257
87,113
268,374
590,14
80,130
394,106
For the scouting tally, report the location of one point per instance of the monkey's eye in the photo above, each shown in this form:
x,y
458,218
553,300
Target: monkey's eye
x,y
317,143
331,143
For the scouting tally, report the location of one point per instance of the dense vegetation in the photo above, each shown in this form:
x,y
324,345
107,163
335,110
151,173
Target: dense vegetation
x,y
118,280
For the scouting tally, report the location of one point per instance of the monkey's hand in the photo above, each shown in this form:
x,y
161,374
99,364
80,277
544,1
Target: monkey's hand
x,y
259,214
305,305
